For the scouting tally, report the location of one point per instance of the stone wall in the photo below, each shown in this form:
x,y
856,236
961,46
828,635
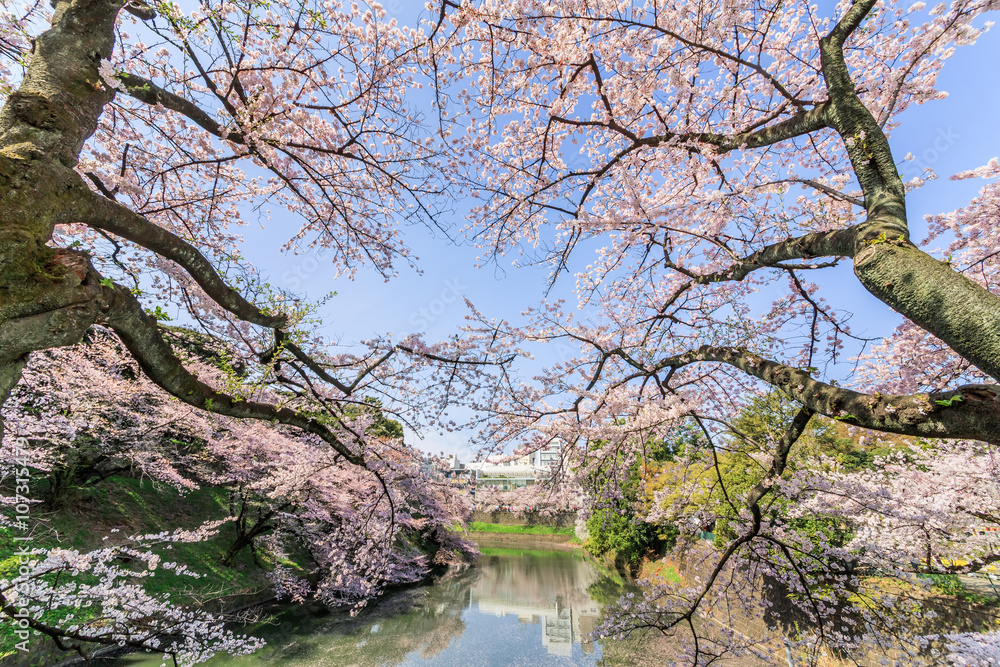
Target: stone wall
x,y
521,541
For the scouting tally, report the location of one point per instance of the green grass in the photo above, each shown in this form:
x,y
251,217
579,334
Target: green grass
x,y
481,527
137,507
667,572
950,584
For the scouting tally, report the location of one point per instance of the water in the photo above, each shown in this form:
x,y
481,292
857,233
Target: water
x,y
516,607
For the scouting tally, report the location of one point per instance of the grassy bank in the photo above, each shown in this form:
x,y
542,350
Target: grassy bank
x,y
119,507
480,527
660,571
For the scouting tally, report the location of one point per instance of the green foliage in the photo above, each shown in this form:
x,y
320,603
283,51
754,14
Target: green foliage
x,y
948,402
682,438
882,238
739,474
206,348
948,584
625,536
160,314
671,575
616,527
383,426
834,532
951,585
766,419
761,424
609,588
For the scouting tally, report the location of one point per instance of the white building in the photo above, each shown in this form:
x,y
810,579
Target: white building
x,y
523,471
547,457
506,476
550,456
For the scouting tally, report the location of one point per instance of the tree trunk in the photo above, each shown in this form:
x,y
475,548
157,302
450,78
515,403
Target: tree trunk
x,y
10,374
245,539
47,296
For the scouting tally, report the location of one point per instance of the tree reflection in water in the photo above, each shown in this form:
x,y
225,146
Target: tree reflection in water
x,y
515,607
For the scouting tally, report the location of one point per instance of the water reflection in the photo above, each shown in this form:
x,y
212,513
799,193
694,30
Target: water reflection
x,y
514,608
546,589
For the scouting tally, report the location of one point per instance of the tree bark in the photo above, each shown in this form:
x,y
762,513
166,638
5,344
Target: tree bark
x,y
970,411
245,539
46,296
930,293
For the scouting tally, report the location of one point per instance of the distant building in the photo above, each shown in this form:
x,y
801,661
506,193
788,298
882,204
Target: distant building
x,y
547,457
459,474
550,456
509,475
506,476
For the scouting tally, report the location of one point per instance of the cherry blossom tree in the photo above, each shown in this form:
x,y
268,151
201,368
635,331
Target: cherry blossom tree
x,y
290,493
897,522
135,139
100,600
706,153
709,151
545,498
87,413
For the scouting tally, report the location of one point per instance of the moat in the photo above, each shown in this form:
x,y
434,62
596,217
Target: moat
x,y
515,607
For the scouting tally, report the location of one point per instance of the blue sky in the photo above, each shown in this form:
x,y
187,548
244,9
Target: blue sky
x,y
958,133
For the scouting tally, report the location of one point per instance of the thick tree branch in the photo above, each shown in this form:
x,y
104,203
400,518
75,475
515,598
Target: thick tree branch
x,y
780,457
867,146
833,192
969,411
109,216
838,243
56,106
934,296
140,334
802,123
146,91
141,10
281,342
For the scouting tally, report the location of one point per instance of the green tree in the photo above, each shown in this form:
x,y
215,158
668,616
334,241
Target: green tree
x,y
616,526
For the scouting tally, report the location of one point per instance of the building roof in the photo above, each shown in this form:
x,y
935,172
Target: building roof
x,y
485,468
